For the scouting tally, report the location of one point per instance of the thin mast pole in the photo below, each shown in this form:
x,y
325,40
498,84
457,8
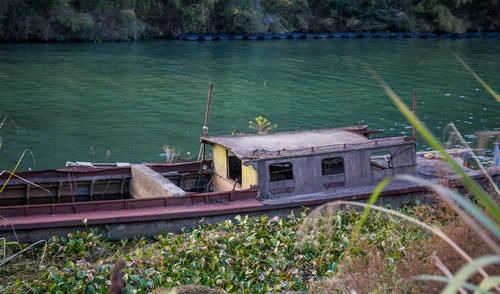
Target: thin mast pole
x,y
201,155
207,111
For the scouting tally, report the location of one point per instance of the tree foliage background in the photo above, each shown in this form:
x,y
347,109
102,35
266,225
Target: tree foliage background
x,y
110,20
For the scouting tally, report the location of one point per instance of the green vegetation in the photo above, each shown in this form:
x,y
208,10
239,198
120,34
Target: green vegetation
x,y
262,125
112,20
246,255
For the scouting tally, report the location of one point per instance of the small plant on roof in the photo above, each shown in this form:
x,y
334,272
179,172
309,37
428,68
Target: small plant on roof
x,y
262,125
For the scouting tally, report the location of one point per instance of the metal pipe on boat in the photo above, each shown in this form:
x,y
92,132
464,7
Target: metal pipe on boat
x,y
201,155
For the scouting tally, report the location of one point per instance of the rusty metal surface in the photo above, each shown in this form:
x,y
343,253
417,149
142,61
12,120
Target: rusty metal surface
x,y
126,204
298,143
155,209
124,211
82,172
76,184
147,217
154,217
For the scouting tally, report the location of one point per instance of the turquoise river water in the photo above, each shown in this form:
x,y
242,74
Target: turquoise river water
x,y
124,101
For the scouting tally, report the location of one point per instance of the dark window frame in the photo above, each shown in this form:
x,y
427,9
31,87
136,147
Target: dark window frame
x,y
329,167
280,171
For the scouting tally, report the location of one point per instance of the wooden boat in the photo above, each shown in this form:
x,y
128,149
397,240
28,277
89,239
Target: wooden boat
x,y
249,174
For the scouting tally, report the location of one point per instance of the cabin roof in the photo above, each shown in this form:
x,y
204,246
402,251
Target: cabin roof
x,y
295,143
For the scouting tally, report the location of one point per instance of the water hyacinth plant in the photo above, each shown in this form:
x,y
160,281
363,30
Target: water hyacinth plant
x,y
240,255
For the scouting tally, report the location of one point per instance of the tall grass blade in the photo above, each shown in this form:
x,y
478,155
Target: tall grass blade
x,y
7,259
447,280
481,167
7,243
12,174
371,201
462,201
11,226
488,88
3,121
13,122
430,228
489,283
15,168
440,265
473,187
465,272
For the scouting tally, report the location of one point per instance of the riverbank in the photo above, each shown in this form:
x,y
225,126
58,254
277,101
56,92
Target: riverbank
x,y
337,35
106,20
251,255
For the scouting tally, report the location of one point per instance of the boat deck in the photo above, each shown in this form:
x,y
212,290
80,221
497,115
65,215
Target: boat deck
x,y
127,215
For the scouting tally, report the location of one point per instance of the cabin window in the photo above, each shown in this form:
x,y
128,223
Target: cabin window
x,y
332,166
281,171
381,160
234,167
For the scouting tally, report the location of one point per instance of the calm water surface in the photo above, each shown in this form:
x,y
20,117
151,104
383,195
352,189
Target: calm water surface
x,y
125,101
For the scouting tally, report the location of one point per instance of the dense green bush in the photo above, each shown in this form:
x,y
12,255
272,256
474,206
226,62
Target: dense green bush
x,y
108,20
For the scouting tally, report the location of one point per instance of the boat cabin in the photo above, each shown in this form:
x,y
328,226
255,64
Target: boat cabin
x,y
277,166
305,162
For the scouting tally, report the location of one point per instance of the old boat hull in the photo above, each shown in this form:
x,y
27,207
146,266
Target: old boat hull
x,y
128,218
81,183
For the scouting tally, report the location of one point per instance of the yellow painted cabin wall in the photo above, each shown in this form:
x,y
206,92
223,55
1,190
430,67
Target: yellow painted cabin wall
x,y
248,176
221,182
219,155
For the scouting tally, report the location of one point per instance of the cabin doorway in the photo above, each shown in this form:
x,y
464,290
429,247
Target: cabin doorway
x,y
233,167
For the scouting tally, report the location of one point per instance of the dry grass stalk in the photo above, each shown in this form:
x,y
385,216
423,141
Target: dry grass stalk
x,y
439,264
375,264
